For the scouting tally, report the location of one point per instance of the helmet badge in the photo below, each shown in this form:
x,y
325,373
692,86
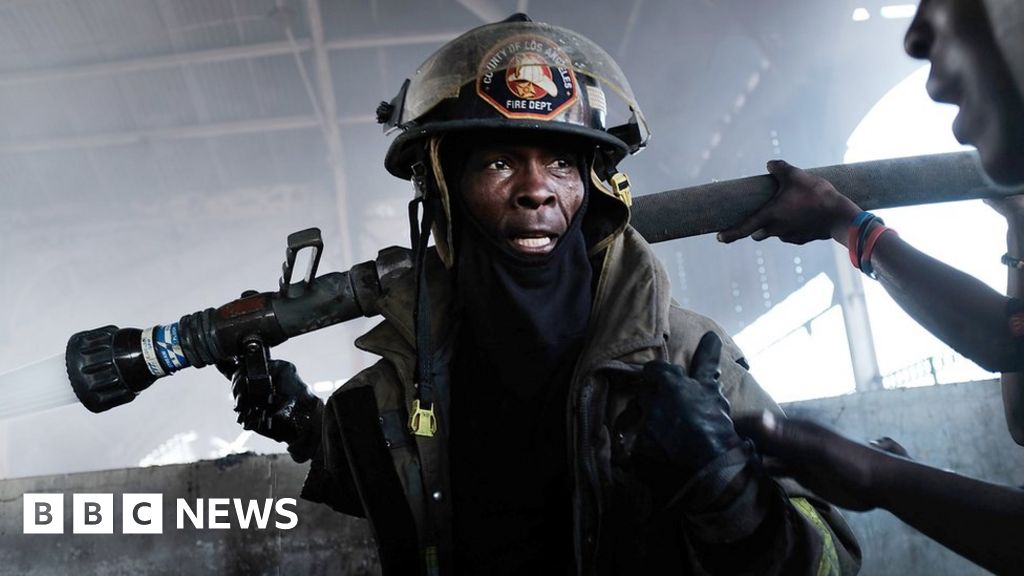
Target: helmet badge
x,y
527,77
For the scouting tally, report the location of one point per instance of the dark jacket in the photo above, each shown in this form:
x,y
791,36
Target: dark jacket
x,y
370,465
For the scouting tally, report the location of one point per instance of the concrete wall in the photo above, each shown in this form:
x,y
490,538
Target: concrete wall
x,y
960,427
323,542
954,426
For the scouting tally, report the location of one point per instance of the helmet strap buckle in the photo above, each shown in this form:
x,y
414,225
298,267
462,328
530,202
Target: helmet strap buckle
x,y
620,187
422,422
419,180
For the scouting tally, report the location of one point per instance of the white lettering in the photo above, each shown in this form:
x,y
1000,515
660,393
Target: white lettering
x,y
143,513
262,515
537,105
196,517
566,79
218,509
282,511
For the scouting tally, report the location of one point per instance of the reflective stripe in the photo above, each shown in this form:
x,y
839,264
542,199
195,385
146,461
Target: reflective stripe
x,y
829,563
433,567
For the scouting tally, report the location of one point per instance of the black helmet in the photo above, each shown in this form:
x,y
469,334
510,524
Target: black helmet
x,y
515,75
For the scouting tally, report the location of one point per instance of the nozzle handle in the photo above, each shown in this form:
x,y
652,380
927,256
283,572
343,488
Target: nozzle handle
x,y
297,242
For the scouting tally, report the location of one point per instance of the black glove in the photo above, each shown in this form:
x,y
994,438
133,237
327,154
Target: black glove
x,y
293,414
684,420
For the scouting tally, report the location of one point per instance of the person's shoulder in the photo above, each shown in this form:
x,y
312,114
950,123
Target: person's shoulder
x,y
633,260
687,327
687,317
635,240
745,395
685,321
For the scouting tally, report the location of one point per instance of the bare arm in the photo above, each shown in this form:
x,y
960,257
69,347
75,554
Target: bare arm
x,y
1013,404
959,309
979,520
1012,209
976,519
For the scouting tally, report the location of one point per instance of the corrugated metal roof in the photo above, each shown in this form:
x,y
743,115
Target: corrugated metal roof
x,y
125,103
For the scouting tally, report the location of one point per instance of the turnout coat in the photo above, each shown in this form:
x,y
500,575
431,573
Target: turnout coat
x,y
370,465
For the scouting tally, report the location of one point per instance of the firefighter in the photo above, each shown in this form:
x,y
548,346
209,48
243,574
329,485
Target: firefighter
x,y
541,405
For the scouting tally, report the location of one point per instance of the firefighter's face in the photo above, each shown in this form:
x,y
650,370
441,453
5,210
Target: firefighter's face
x,y
969,70
524,193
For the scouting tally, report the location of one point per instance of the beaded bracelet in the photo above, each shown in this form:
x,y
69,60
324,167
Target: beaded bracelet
x,y
861,239
1012,262
869,248
858,234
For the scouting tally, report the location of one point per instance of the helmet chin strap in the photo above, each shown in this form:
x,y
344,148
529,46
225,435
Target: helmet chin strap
x,y
422,420
432,194
442,238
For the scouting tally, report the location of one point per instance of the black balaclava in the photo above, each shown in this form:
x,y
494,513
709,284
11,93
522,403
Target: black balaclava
x,y
526,314
523,323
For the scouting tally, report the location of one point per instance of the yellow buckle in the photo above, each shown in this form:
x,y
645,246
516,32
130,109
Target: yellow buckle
x,y
620,186
422,422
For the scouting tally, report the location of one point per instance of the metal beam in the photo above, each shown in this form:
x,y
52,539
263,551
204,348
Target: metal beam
x,y
627,33
329,121
335,148
153,63
486,10
850,294
389,41
195,93
257,126
246,51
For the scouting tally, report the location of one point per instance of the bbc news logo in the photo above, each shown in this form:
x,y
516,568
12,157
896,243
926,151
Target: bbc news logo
x,y
143,513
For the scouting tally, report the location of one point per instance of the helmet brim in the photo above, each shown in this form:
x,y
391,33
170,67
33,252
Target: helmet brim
x,y
404,151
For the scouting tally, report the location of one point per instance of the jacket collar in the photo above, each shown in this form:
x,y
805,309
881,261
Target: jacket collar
x,y
631,303
395,339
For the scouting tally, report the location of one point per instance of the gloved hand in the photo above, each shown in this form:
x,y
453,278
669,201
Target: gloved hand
x,y
684,420
292,415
